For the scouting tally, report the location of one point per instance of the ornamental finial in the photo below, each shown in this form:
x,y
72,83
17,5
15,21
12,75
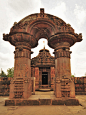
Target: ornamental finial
x,y
44,44
41,10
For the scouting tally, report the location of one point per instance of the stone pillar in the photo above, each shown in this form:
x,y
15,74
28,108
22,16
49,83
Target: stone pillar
x,y
57,87
37,78
52,75
22,72
33,85
11,89
64,84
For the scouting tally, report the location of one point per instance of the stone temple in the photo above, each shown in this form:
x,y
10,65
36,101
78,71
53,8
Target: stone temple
x,y
24,35
43,69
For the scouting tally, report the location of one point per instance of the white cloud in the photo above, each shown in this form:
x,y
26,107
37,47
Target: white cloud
x,y
23,8
80,14
59,10
6,60
78,60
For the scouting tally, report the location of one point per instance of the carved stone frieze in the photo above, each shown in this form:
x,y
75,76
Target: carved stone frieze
x,y
50,27
59,54
61,26
22,53
43,58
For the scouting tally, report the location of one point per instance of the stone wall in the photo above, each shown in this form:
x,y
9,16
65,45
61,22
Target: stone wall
x,y
80,85
4,86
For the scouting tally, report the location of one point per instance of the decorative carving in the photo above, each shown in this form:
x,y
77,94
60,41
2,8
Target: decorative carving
x,y
19,37
26,70
43,58
36,73
18,88
22,53
80,36
24,31
50,17
5,37
59,54
65,93
20,48
24,36
15,23
19,25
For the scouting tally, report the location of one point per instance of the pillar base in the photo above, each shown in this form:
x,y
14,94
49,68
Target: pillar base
x,y
64,88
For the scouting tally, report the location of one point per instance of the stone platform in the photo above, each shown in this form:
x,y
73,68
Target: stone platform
x,y
23,102
44,90
42,98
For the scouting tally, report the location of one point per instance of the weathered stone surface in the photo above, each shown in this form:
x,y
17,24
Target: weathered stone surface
x,y
22,102
33,102
72,102
67,102
57,102
45,101
24,35
10,102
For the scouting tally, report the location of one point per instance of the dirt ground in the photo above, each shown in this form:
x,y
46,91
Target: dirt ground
x,y
44,109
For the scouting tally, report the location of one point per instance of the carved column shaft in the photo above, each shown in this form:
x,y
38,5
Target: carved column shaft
x,y
22,62
22,72
63,71
62,61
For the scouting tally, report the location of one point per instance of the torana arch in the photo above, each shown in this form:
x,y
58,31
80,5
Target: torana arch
x,y
24,35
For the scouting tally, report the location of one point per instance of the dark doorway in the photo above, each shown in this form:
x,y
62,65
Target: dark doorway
x,y
44,78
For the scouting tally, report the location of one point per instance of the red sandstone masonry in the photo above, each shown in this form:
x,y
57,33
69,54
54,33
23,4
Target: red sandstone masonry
x,y
24,35
23,102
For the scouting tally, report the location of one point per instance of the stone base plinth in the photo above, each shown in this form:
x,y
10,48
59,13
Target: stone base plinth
x,y
80,93
29,102
67,102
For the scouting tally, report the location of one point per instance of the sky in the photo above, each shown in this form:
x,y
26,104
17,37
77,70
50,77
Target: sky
x,y
71,11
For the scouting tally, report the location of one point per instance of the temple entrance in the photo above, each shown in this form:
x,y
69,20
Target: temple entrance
x,y
44,78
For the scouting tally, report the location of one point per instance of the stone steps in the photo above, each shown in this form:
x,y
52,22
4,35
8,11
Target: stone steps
x,y
28,102
44,87
45,90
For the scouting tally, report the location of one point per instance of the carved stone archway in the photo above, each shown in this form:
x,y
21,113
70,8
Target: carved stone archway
x,y
24,35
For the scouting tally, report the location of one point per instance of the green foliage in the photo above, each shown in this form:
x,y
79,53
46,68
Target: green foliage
x,y
10,72
3,74
72,76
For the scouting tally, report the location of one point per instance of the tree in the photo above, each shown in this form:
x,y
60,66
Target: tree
x,y
72,76
10,72
3,74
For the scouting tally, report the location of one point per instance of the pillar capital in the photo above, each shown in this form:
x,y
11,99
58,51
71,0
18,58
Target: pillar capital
x,y
64,37
20,39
